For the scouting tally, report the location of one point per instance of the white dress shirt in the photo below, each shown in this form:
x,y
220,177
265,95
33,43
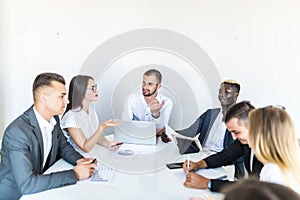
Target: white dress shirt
x,y
215,139
139,110
46,129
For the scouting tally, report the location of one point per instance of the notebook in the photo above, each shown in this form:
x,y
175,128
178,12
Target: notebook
x,y
136,132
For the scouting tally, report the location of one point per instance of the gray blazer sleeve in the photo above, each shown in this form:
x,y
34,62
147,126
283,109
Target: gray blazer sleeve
x,y
24,158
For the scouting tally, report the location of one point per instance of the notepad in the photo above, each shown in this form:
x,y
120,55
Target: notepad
x,y
103,174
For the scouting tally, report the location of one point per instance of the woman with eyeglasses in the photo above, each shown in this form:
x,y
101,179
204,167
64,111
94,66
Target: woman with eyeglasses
x,y
273,139
80,122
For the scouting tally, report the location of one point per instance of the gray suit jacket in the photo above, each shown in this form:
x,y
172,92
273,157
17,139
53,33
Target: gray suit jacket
x,y
22,158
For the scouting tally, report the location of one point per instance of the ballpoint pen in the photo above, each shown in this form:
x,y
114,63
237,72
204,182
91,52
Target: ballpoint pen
x,y
188,164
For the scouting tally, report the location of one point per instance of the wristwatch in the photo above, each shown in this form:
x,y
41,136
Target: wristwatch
x,y
155,117
209,184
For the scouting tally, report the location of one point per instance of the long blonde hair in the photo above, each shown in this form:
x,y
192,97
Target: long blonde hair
x,y
273,139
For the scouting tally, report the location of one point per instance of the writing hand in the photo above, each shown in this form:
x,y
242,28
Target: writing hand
x,y
189,168
85,169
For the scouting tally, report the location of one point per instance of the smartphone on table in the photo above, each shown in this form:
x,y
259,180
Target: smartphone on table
x,y
176,165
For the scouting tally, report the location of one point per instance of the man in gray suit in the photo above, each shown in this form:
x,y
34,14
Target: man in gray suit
x,y
34,142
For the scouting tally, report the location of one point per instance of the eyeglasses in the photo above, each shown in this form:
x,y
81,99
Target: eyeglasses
x,y
149,84
93,88
264,112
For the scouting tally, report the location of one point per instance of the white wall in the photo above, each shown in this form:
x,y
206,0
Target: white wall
x,y
253,41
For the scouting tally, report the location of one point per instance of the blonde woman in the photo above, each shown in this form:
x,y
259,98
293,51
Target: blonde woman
x,y
273,139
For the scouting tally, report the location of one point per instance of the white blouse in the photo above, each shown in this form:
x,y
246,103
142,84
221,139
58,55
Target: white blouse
x,y
78,118
273,174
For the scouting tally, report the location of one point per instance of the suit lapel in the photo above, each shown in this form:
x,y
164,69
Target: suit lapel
x,y
36,131
211,117
247,159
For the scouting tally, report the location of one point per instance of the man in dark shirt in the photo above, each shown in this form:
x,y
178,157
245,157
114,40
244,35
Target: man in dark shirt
x,y
213,133
236,120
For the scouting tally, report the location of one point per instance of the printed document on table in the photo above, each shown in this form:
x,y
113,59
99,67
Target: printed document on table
x,y
208,173
101,175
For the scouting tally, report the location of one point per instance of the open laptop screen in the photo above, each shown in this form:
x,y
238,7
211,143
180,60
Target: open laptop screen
x,y
136,132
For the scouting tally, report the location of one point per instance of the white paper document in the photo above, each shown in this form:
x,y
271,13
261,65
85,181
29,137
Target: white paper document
x,y
102,174
208,173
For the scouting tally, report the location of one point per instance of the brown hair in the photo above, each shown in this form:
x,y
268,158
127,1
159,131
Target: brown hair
x,y
250,189
77,90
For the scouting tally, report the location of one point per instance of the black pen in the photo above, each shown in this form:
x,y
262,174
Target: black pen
x,y
120,143
94,160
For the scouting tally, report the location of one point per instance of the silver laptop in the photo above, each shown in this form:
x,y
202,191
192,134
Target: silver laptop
x,y
136,132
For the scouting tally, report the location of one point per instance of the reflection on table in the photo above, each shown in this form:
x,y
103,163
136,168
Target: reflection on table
x,y
142,175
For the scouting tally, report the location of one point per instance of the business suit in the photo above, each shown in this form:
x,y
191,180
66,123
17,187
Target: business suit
x,y
22,158
203,126
225,157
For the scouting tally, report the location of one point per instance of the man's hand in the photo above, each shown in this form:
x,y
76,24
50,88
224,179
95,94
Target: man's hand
x,y
162,133
194,166
193,180
81,160
84,168
155,107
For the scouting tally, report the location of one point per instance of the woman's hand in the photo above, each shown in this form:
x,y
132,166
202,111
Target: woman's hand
x,y
115,145
109,123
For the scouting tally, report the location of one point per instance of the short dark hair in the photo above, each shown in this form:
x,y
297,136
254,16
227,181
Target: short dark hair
x,y
154,72
77,90
240,111
249,189
45,79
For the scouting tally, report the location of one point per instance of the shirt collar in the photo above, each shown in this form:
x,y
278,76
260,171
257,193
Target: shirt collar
x,y
42,121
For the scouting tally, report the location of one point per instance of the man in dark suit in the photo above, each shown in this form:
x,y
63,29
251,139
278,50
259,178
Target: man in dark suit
x,y
213,134
34,142
236,120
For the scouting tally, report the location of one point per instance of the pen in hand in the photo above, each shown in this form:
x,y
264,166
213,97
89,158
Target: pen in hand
x,y
120,143
188,164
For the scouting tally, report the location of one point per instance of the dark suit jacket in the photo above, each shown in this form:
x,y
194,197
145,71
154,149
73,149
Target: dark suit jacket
x,y
22,158
225,157
203,125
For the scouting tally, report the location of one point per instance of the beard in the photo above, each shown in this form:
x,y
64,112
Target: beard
x,y
147,93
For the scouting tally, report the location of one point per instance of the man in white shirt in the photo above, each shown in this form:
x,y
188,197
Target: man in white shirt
x,y
149,104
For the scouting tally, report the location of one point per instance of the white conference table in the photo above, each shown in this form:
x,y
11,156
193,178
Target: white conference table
x,y
140,176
